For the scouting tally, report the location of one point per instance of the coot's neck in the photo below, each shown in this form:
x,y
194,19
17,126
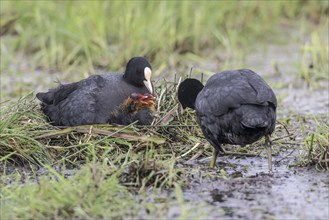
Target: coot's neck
x,y
191,98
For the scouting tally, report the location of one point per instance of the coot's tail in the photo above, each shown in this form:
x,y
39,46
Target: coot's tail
x,y
257,116
46,97
54,96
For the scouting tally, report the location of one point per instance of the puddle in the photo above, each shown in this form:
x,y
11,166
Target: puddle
x,y
286,194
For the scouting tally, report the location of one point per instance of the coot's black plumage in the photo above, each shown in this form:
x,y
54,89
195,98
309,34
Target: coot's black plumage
x,y
234,107
91,101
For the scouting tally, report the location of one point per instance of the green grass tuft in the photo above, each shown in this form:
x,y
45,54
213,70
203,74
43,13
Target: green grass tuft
x,y
317,147
93,192
106,34
315,57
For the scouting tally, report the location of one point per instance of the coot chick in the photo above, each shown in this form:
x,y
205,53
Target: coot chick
x,y
91,100
234,107
138,107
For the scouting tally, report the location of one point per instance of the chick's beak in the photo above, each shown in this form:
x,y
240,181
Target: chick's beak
x,y
148,99
147,81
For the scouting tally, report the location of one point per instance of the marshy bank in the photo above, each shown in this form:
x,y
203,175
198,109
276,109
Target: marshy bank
x,y
162,171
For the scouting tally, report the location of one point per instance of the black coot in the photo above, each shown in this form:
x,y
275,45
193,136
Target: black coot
x,y
91,101
234,107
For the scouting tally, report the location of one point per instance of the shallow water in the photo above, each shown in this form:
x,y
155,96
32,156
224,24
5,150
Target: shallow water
x,y
251,192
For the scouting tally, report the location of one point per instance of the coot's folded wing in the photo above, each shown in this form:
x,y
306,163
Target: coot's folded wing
x,y
263,90
54,96
231,89
73,104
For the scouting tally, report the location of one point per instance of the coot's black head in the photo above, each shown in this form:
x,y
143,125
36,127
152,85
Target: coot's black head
x,y
188,90
138,73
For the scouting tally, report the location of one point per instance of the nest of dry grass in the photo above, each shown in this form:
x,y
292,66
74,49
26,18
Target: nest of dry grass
x,y
27,139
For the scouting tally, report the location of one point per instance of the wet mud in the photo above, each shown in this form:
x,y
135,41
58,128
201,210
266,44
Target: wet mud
x,y
251,192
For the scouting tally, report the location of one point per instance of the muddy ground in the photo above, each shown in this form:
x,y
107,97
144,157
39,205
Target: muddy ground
x,y
251,192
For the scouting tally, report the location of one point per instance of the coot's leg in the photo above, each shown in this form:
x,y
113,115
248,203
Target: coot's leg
x,y
214,156
269,151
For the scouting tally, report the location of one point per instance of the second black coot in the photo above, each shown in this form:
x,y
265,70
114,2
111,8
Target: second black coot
x,y
234,107
91,101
